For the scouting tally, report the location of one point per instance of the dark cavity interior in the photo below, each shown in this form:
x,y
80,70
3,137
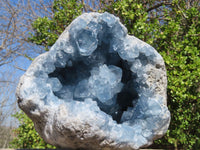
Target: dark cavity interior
x,y
81,70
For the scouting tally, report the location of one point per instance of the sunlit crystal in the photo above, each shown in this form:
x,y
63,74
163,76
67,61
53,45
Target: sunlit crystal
x,y
97,88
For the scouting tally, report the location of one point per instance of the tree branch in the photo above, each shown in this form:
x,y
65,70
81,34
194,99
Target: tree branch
x,y
20,68
158,5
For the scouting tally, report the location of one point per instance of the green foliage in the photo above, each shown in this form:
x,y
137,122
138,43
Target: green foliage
x,y
134,16
26,136
173,28
175,33
47,30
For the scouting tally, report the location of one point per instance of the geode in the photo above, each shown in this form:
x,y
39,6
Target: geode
x,y
97,88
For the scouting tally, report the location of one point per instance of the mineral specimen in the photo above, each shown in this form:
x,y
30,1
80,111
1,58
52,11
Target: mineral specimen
x,y
97,88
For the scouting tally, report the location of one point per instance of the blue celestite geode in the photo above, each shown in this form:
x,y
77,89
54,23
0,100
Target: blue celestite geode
x,y
97,88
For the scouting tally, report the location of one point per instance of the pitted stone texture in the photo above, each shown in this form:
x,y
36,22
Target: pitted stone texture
x,y
97,88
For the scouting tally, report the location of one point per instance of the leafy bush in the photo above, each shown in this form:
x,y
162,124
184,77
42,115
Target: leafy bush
x,y
46,30
175,32
26,136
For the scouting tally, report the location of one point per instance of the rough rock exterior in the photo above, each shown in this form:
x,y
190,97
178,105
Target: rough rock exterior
x,y
97,88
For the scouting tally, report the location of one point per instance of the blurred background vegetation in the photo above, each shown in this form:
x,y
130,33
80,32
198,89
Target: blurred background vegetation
x,y
170,26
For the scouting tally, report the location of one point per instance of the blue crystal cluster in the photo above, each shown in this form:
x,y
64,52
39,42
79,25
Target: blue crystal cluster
x,y
97,84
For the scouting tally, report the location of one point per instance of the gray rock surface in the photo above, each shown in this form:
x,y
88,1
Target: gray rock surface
x,y
97,88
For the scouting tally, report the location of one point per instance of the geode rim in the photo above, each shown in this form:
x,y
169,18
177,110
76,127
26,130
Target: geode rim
x,y
90,42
